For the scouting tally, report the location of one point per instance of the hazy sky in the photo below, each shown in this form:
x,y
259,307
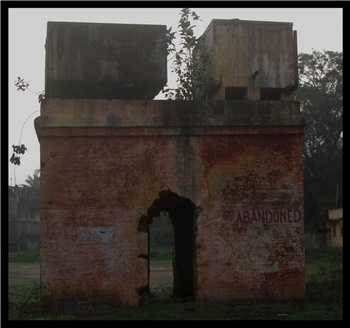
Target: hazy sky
x,y
318,29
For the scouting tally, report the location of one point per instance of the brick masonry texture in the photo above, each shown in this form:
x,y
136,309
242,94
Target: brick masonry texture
x,y
104,163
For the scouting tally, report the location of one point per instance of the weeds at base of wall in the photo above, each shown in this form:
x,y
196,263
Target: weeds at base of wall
x,y
325,285
324,293
159,293
26,301
28,308
35,301
161,289
85,306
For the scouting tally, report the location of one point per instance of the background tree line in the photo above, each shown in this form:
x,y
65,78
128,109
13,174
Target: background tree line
x,y
320,94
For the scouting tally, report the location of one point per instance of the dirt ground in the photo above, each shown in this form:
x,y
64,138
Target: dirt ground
x,y
24,272
157,275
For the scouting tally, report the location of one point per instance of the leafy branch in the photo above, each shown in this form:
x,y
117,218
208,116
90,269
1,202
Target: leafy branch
x,y
191,60
22,85
20,149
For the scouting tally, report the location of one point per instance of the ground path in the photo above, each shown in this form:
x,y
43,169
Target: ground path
x,y
32,271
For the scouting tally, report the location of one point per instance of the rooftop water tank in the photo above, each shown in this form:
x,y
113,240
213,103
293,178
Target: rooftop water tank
x,y
105,61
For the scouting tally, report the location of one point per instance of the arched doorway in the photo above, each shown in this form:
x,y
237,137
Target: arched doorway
x,y
181,213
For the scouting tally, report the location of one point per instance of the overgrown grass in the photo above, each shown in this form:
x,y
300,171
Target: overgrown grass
x,y
324,276
159,254
24,300
24,257
161,290
156,254
161,263
324,294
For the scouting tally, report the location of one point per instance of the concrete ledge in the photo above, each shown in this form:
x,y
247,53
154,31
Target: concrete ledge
x,y
170,131
167,113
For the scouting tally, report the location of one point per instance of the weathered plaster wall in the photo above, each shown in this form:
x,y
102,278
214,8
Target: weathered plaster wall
x,y
99,60
240,48
103,163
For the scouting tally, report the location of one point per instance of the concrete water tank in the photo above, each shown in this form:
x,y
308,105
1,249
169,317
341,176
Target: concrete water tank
x,y
104,61
253,60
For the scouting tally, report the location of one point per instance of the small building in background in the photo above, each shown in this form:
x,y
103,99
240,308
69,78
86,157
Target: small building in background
x,y
24,218
335,226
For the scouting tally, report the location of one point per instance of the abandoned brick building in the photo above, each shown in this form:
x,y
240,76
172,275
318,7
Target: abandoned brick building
x,y
226,169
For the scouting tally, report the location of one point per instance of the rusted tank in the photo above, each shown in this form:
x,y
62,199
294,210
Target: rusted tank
x,y
104,61
253,60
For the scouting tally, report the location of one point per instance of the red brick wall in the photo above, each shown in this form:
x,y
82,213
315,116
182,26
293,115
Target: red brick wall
x,y
250,239
98,180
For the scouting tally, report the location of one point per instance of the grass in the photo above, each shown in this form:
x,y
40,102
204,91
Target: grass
x,y
161,263
324,299
161,290
16,282
24,257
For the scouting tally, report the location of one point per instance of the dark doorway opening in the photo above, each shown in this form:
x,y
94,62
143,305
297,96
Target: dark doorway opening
x,y
181,213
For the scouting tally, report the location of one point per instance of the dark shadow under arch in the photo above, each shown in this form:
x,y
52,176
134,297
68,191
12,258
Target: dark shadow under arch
x,y
181,212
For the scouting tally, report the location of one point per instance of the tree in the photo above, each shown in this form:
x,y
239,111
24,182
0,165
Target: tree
x,y
192,59
321,96
33,182
20,149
